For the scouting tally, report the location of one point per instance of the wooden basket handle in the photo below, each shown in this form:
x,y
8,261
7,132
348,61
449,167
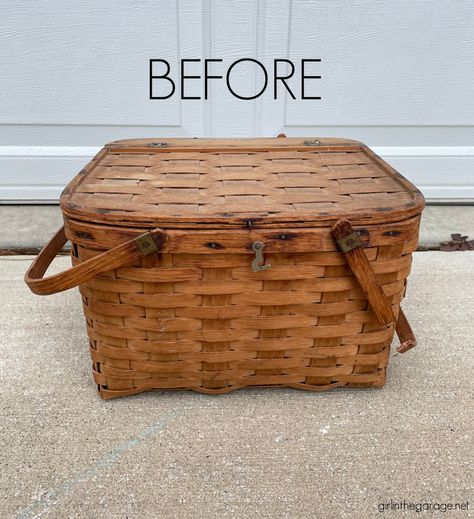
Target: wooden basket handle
x,y
111,259
349,243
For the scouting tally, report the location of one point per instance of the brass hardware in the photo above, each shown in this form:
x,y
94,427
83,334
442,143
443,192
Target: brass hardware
x,y
258,262
146,244
158,144
312,142
349,242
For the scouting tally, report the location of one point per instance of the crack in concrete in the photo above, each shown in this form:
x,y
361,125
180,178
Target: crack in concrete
x,y
47,500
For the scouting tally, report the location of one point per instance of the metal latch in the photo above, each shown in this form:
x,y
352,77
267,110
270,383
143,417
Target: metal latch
x,y
258,263
312,142
146,243
158,144
349,242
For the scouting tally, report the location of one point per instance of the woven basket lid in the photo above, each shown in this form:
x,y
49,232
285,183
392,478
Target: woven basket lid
x,y
213,183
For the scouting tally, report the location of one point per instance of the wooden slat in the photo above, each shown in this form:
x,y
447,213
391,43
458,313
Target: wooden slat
x,y
198,181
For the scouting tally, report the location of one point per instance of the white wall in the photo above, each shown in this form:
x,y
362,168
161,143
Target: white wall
x,y
395,74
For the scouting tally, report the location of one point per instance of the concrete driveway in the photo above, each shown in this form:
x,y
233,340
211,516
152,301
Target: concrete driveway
x,y
266,453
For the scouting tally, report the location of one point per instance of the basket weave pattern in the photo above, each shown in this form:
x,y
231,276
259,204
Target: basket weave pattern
x,y
208,323
190,184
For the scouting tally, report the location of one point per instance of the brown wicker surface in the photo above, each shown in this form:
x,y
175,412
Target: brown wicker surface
x,y
164,249
219,181
210,324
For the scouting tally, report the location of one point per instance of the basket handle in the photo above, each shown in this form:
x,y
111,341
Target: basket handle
x,y
113,258
348,241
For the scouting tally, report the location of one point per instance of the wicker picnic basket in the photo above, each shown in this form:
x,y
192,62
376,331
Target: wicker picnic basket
x,y
214,264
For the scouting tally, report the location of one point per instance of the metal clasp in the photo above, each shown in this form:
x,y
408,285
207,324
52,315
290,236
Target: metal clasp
x,y
349,242
146,244
258,262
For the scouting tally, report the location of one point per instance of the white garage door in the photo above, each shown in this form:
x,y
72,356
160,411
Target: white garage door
x,y
397,75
